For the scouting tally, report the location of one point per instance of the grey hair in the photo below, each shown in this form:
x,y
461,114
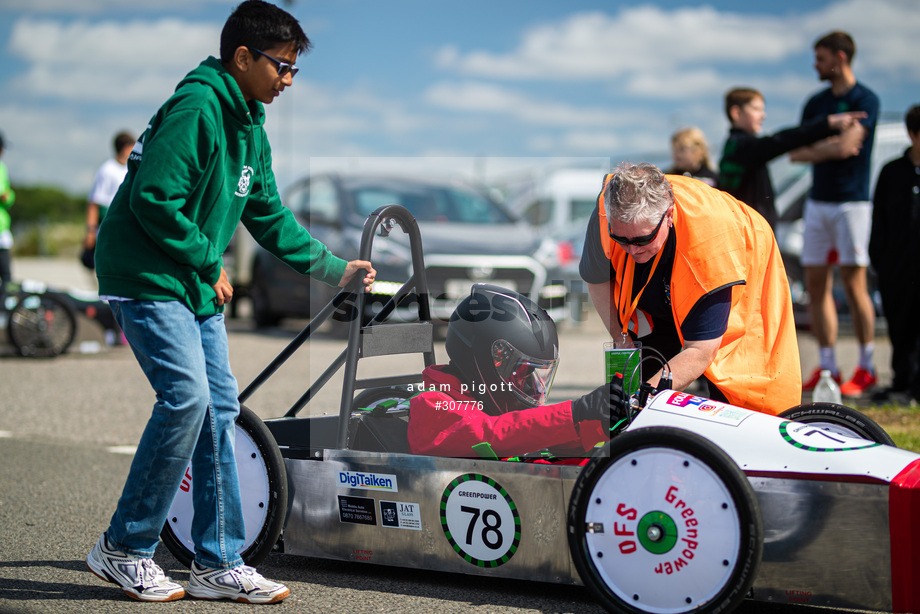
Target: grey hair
x,y
637,193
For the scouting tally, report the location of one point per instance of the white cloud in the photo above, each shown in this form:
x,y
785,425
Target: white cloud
x,y
110,45
480,97
596,45
645,39
111,62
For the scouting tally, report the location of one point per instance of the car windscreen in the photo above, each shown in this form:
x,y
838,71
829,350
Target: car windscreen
x,y
581,209
430,203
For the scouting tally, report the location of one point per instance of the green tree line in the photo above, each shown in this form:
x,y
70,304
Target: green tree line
x,y
36,203
47,221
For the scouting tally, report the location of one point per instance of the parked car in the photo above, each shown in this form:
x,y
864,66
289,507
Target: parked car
x,y
558,203
467,237
556,200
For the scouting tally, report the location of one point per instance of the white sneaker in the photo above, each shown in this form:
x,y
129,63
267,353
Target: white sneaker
x,y
138,577
243,584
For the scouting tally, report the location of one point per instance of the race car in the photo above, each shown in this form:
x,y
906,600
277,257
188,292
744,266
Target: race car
x,y
694,507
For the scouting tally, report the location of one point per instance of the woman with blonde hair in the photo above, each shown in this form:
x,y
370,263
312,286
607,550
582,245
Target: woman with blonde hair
x,y
690,156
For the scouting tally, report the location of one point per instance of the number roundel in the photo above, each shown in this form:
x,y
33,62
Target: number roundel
x,y
480,520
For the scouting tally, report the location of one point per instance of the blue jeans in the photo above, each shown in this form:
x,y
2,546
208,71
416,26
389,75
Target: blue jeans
x,y
186,359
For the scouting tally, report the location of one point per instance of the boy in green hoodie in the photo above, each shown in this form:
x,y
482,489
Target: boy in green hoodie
x,y
202,166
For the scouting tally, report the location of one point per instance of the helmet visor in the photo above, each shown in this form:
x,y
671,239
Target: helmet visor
x,y
528,378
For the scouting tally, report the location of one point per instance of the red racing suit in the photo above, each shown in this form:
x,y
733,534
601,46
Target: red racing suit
x,y
446,420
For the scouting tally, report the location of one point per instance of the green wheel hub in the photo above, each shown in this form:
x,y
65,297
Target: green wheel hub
x,y
657,532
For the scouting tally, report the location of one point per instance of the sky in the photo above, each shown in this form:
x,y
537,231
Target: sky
x,y
478,86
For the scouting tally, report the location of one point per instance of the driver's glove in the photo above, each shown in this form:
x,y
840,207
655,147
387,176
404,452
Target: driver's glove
x,y
605,403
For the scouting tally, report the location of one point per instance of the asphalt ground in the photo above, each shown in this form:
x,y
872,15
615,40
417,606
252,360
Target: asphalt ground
x,y
67,430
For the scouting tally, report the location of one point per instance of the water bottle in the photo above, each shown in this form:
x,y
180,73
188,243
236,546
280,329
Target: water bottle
x,y
827,390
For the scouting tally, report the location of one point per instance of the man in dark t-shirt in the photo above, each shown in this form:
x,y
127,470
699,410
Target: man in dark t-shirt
x,y
838,212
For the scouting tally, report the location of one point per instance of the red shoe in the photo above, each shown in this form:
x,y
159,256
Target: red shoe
x,y
861,381
812,381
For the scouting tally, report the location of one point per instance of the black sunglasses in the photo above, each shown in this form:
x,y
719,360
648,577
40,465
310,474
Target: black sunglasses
x,y
282,67
639,241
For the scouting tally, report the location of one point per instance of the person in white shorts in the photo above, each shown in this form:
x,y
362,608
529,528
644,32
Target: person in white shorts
x,y
838,214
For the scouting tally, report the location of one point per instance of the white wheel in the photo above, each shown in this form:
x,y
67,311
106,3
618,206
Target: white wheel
x,y
263,489
665,522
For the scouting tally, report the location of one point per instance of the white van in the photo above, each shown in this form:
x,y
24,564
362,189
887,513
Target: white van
x,y
558,203
558,199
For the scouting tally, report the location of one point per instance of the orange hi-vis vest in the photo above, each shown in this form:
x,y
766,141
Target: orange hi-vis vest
x,y
721,242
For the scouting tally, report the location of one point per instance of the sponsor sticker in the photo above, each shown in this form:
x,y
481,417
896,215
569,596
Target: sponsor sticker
x,y
400,515
357,510
382,482
701,407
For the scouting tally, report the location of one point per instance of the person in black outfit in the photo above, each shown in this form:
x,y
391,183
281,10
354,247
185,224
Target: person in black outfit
x,y
895,255
743,171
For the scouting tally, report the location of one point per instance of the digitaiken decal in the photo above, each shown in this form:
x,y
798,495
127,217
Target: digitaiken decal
x,y
357,510
382,482
400,515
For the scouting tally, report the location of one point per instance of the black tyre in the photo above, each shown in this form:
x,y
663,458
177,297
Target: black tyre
x,y
42,325
261,303
840,419
662,520
263,486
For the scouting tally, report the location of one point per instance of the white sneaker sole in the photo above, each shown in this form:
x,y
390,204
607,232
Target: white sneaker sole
x,y
213,595
130,592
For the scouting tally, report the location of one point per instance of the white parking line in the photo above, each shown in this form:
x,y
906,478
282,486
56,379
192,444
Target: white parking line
x,y
129,450
5,434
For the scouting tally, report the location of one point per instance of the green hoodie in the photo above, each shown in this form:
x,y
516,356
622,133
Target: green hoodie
x,y
202,166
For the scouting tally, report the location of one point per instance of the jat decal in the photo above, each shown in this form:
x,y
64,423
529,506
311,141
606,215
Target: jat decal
x,y
383,482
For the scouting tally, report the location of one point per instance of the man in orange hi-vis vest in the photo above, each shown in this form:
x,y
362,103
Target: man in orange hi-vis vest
x,y
696,275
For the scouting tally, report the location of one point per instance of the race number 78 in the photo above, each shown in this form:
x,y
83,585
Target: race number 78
x,y
480,520
491,526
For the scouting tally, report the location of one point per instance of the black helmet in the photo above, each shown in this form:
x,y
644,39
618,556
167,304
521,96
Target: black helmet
x,y
505,347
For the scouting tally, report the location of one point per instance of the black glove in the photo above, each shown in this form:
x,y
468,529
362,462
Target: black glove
x,y
605,403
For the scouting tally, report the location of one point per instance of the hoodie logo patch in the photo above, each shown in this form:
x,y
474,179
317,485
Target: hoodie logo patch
x,y
242,188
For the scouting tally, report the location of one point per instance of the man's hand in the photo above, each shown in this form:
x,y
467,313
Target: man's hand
x,y
851,140
89,239
223,289
838,147
842,121
353,267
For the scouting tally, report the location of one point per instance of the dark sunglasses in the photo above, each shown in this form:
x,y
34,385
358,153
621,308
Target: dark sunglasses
x,y
639,241
282,67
